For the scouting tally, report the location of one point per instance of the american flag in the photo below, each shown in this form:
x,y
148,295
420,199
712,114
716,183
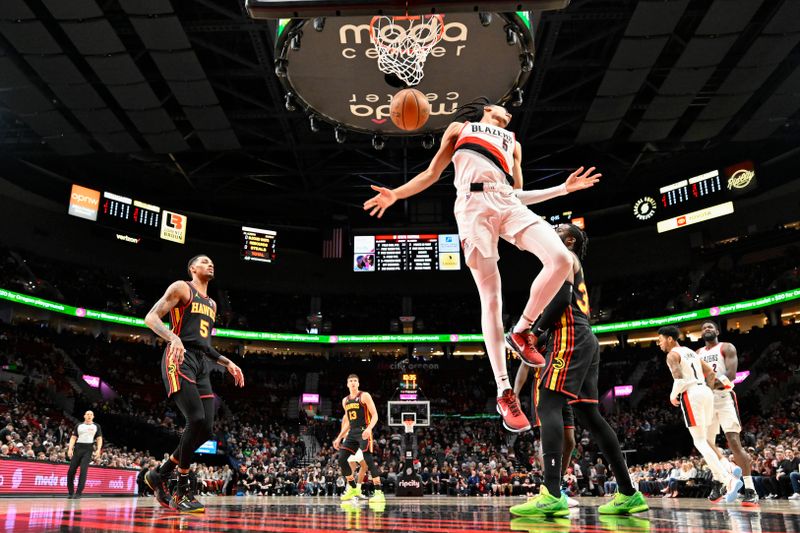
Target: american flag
x,y
332,246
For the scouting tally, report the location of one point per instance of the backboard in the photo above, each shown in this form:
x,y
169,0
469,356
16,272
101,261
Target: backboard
x,y
403,410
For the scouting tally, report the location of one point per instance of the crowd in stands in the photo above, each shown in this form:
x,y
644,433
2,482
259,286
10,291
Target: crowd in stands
x,y
718,278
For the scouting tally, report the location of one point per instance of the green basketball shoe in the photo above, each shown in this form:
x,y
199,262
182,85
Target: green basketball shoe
x,y
543,504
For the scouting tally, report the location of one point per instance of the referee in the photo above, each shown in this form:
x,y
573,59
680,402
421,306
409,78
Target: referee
x,y
80,451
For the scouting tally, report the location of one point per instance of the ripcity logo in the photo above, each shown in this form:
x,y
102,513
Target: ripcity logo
x,y
741,179
409,483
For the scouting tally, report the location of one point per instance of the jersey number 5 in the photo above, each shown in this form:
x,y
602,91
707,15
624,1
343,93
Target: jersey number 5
x,y
204,329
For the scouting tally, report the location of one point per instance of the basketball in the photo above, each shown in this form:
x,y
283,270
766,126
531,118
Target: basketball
x,y
410,109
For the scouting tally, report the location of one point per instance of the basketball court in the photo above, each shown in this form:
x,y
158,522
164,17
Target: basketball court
x,y
432,514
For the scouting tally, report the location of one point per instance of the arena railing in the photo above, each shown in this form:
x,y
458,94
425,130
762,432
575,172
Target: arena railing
x,y
614,327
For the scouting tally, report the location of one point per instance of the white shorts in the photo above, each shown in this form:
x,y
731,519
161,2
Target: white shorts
x,y
356,457
726,413
484,217
697,404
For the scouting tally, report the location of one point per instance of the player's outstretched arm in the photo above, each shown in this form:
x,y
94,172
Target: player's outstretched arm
x,y
385,198
174,295
577,181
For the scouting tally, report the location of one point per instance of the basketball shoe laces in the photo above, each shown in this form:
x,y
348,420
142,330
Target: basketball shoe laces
x,y
513,404
530,341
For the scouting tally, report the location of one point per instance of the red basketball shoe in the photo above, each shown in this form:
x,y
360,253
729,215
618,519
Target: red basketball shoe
x,y
513,418
524,344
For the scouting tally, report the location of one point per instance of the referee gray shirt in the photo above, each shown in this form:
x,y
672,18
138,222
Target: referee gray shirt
x,y
86,433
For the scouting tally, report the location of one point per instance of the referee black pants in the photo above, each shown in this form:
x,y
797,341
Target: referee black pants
x,y
81,456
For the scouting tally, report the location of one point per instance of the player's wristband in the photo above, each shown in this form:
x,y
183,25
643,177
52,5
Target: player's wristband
x,y
725,382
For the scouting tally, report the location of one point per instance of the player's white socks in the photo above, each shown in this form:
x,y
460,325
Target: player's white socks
x,y
523,324
503,383
727,465
748,482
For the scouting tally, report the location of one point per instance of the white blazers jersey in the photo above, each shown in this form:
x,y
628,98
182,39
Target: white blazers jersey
x,y
697,401
726,405
690,364
713,356
483,153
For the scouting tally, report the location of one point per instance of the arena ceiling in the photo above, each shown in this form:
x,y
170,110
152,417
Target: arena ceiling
x,y
179,98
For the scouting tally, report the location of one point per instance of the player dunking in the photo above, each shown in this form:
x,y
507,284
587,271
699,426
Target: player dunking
x,y
360,418
185,370
487,157
723,360
570,377
691,389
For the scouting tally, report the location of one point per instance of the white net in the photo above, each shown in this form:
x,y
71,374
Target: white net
x,y
403,44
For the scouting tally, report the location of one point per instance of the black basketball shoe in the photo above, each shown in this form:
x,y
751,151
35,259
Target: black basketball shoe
x,y
716,492
159,487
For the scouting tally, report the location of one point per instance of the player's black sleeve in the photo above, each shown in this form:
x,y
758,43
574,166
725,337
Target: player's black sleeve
x,y
552,313
99,433
211,353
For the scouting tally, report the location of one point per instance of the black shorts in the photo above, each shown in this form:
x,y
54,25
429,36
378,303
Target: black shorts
x,y
353,442
567,413
194,369
572,364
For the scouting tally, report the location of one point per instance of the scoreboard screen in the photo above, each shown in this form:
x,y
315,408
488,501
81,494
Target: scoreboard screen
x,y
258,244
131,219
697,198
409,253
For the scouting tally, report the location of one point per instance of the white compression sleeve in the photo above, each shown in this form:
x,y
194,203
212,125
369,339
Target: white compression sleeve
x,y
680,385
540,195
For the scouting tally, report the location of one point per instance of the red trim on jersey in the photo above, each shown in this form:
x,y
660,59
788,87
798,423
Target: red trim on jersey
x,y
687,406
570,347
582,400
464,125
736,404
489,147
206,396
198,290
181,374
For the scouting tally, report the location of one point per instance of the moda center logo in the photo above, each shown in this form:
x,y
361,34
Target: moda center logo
x,y
393,34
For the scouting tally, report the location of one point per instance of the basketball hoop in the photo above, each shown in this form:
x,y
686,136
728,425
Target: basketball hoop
x,y
403,44
409,425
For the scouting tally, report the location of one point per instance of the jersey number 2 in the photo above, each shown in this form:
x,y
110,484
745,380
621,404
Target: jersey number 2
x,y
204,329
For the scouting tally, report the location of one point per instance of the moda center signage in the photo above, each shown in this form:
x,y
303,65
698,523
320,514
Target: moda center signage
x,y
22,478
334,72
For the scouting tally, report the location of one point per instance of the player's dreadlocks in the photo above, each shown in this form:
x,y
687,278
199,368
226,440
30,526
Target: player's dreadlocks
x,y
472,111
581,240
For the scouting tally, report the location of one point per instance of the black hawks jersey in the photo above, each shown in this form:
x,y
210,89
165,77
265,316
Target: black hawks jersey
x,y
356,410
194,321
578,312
